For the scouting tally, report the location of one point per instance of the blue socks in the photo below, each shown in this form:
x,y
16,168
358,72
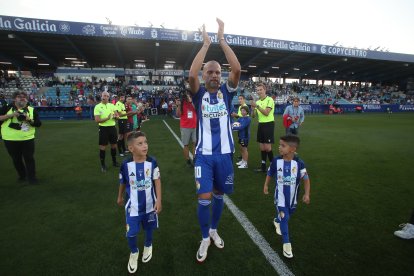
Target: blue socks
x,y
132,243
148,238
203,213
218,204
284,227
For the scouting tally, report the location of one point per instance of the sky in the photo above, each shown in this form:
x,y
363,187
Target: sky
x,y
351,23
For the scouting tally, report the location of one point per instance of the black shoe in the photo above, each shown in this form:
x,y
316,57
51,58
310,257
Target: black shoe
x,y
259,170
103,168
115,164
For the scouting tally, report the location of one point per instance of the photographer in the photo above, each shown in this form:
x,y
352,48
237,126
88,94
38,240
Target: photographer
x,y
188,123
18,127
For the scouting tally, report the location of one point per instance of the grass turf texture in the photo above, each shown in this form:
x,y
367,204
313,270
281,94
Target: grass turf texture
x,y
359,165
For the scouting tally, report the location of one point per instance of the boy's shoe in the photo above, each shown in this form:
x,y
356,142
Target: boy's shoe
x,y
239,163
407,231
216,238
277,226
243,166
133,262
287,250
202,251
103,168
147,255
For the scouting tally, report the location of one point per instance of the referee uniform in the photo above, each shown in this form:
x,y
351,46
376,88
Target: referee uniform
x,y
107,131
122,127
266,128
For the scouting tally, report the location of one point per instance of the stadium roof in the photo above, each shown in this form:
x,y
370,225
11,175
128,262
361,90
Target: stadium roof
x,y
97,46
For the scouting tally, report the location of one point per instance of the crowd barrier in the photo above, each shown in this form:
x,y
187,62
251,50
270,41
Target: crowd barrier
x,y
63,112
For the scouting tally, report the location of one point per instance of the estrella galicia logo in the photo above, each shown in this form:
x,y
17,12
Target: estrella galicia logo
x,y
64,27
89,29
323,49
154,33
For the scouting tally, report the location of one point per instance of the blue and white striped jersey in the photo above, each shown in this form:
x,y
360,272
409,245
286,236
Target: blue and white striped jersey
x,y
287,175
214,134
140,189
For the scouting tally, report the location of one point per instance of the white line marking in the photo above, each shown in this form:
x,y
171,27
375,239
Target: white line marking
x,y
271,256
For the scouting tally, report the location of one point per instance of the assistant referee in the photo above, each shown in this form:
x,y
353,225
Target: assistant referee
x,y
264,110
105,114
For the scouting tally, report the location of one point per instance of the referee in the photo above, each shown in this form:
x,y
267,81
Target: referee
x,y
105,114
19,123
264,109
123,128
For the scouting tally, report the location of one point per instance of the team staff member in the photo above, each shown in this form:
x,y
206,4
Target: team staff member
x,y
19,123
105,114
264,109
122,124
297,116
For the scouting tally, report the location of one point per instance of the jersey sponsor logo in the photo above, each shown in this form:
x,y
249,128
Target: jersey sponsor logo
x,y
213,111
141,185
286,180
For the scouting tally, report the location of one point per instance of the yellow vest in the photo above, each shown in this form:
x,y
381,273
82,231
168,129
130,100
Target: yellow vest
x,y
103,111
265,103
26,132
120,106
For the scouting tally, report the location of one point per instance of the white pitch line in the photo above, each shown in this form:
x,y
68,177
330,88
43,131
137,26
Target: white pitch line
x,y
271,256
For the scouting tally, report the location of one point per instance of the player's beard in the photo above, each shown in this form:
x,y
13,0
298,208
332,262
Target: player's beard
x,y
213,84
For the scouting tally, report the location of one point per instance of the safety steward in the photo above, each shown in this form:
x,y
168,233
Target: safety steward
x,y
19,123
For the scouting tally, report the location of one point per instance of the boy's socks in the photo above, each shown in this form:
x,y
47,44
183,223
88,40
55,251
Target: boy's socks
x,y
203,213
218,204
132,243
148,238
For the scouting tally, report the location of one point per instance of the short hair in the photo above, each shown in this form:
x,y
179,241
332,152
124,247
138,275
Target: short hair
x,y
296,99
242,96
262,85
134,135
291,139
245,108
18,93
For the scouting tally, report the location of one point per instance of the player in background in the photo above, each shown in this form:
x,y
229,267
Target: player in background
x,y
243,127
122,124
214,165
288,171
141,183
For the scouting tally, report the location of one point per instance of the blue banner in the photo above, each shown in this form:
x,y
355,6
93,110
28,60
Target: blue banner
x,y
22,24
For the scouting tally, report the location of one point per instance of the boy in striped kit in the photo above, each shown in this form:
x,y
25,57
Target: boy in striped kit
x,y
288,170
140,179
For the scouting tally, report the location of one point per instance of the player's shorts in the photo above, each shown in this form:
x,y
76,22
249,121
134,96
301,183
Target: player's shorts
x,y
107,134
187,135
244,142
214,171
148,221
266,133
122,126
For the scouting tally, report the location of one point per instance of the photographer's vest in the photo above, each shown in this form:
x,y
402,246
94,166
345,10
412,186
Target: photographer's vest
x,y
26,132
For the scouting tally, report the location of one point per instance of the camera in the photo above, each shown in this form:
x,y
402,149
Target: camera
x,y
21,117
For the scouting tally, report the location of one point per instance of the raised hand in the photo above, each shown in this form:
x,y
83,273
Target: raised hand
x,y
206,38
220,32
